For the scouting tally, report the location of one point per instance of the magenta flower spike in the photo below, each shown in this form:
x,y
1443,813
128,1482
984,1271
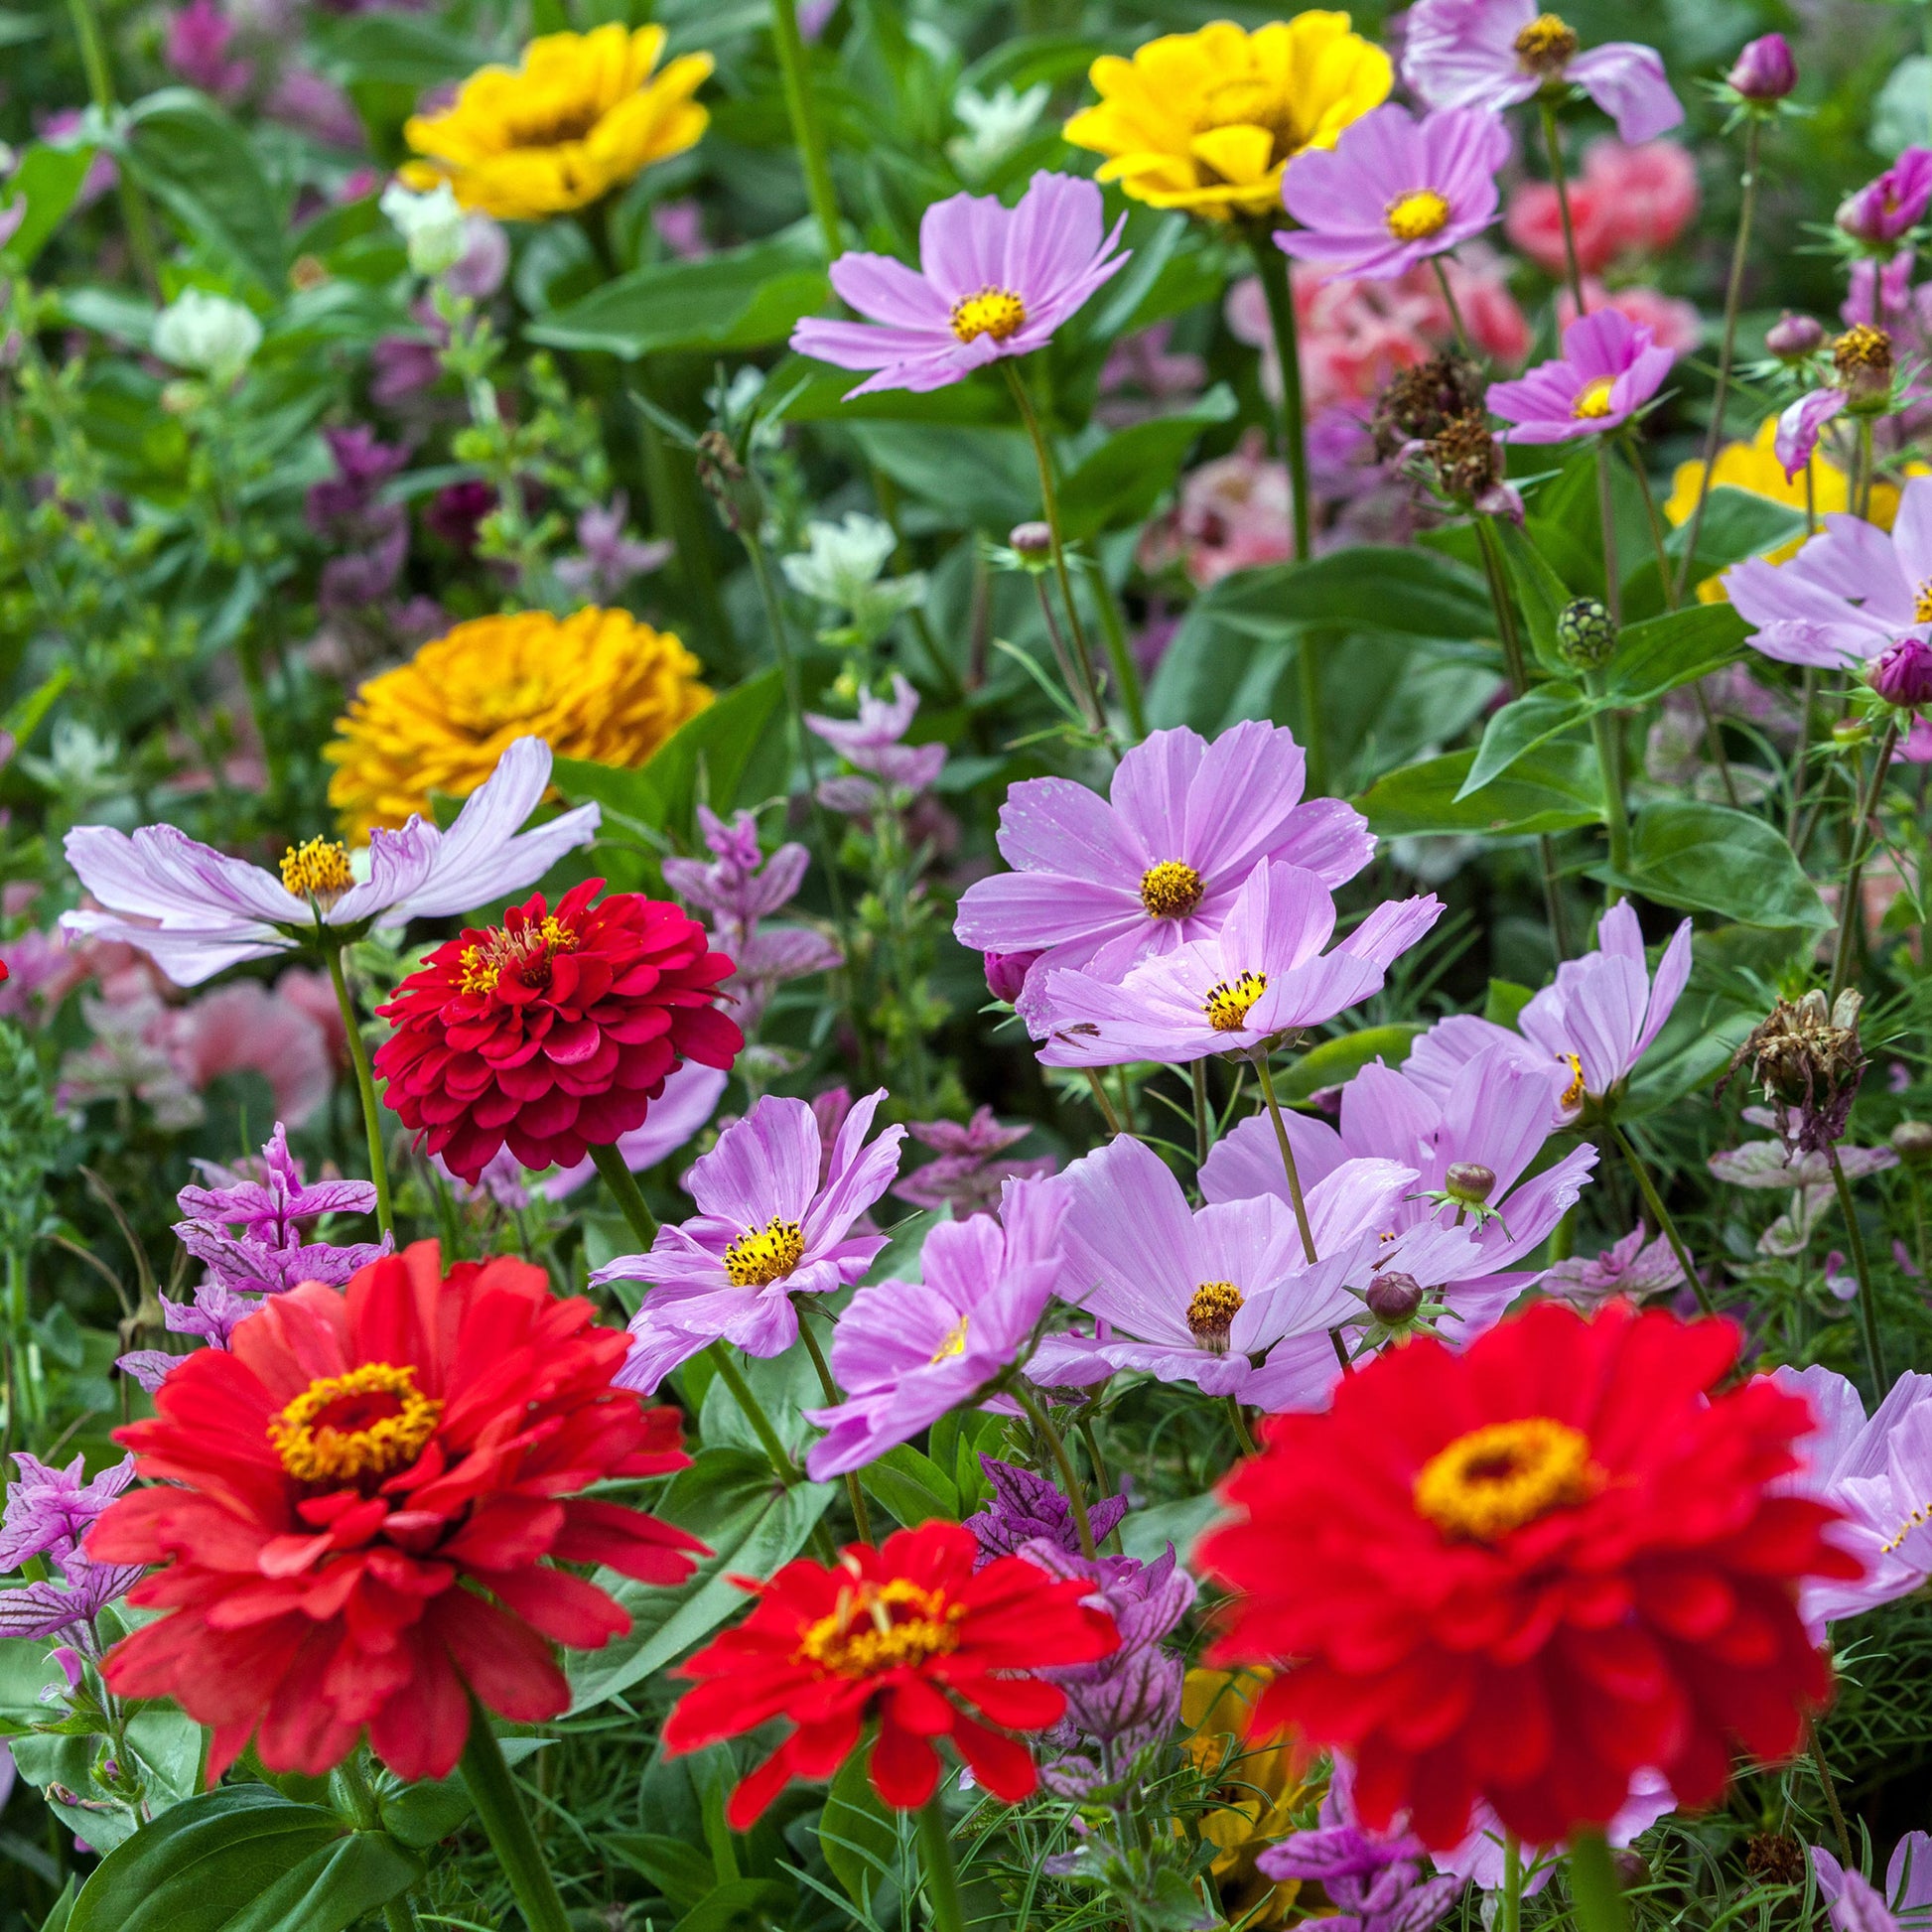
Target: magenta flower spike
x,y
1262,975
1394,190
49,1512
993,281
1611,367
1883,211
1495,53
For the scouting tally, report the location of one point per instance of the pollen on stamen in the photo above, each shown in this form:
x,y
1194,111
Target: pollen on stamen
x,y
1171,889
999,313
1228,1005
317,870
1416,217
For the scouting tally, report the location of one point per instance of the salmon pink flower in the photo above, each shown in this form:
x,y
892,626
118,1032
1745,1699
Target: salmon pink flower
x,y
1609,369
908,1638
360,1505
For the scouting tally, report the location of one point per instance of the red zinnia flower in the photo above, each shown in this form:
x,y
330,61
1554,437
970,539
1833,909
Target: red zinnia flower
x,y
351,1479
553,1031
1530,1570
908,1634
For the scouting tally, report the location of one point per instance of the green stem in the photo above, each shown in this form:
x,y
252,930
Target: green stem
x,y
1861,497
1554,143
1198,1076
1875,1353
1847,909
1661,1214
358,1056
1829,1788
1616,813
943,1903
1593,1883
1120,654
1242,1433
806,134
1044,1422
1512,1912
353,1782
1916,1182
100,85
855,1496
493,1792
630,1197
1077,677
1101,1101
1282,1141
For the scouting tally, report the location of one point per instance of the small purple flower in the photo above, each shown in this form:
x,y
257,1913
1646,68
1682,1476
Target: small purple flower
x,y
968,1175
364,463
1802,424
197,49
907,1352
49,1512
1496,52
1262,975
1628,1268
1792,338
1006,973
873,743
767,1229
1855,1904
1764,70
1026,1508
1883,211
1394,190
1902,673
315,105
992,282
1609,369
609,559
480,268
270,1204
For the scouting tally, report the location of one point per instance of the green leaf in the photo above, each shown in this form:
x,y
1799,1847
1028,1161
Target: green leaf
x,y
732,1500
738,1902
973,478
1505,999
1534,719
739,299
49,178
857,1833
393,49
1711,859
424,1813
1552,789
1119,482
333,1887
1540,591
1336,1060
682,1873
1371,587
1664,652
911,1485
197,163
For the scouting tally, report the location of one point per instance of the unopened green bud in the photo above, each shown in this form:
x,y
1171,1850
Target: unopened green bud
x,y
1585,634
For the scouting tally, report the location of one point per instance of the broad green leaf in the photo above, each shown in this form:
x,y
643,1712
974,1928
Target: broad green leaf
x,y
1541,593
49,178
1403,593
970,479
1534,719
334,1888
1119,482
1338,1060
911,1485
682,1873
194,160
737,1905
1711,859
1664,652
1552,789
857,1833
1737,523
393,49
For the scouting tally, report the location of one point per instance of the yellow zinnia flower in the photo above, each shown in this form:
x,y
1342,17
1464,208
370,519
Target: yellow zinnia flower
x,y
582,115
598,685
1207,121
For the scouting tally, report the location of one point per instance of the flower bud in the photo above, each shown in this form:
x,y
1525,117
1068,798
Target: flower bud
x,y
1585,634
1850,734
431,225
1902,673
1006,973
1631,1868
1394,1298
1862,358
1470,1183
1911,1141
1793,339
1764,70
1032,539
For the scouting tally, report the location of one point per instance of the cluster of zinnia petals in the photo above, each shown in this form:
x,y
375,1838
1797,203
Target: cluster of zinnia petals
x,y
358,1505
553,1033
908,1636
1530,1571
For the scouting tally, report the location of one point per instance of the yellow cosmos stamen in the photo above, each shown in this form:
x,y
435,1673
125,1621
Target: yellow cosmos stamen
x,y
1416,217
531,945
317,870
1922,603
1572,1094
998,313
882,1627
1593,400
1210,1315
764,1254
345,1427
1916,1520
1227,1004
1170,890
1498,1477
1547,45
954,1343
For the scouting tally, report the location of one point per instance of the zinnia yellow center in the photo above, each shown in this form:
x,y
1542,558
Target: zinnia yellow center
x,y
1227,1004
317,870
998,313
1572,1094
526,950
1210,1315
1547,45
345,1427
880,1627
954,1343
1416,217
764,1254
1593,399
1170,890
1498,1477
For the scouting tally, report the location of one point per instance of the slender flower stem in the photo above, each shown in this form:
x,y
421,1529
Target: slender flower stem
x,y
1450,303
354,1783
630,1197
943,1903
1733,292
1847,909
100,86
493,1792
1610,764
1242,1433
1874,1355
1916,1182
1273,1106
1022,1394
1830,1787
1553,141
1198,1080
803,111
1862,496
358,1056
1101,1101
1661,1214
1593,1883
1512,1912
1075,674
1120,653
861,1516
1607,521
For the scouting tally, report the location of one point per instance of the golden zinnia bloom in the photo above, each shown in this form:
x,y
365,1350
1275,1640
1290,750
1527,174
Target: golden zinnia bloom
x,y
582,115
1207,121
598,685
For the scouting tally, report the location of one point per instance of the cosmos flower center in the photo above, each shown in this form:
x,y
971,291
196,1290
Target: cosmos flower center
x,y
954,1343
1416,217
1498,1477
1861,349
317,870
524,950
1227,1004
1572,1094
1546,46
763,1255
894,1626
998,313
1922,603
1170,889
366,1423
1210,1315
1918,1518
1593,399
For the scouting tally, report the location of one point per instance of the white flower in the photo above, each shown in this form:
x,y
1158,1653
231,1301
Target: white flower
x,y
995,125
840,566
432,226
206,333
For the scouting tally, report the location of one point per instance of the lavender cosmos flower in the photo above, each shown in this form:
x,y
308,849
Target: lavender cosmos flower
x,y
1883,211
1634,1268
1482,1857
1497,52
1855,1904
609,559
1848,593
196,912
1800,426
766,1229
1609,369
968,1175
1192,1296
49,1512
1100,882
1026,1508
1262,975
1394,190
690,1098
992,280
907,1352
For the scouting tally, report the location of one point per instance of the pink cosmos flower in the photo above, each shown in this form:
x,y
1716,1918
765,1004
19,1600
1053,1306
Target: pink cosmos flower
x,y
1801,425
1627,202
1099,884
1883,211
1635,1268
1672,324
1261,975
1854,1904
767,1229
992,280
1496,52
1394,190
1609,369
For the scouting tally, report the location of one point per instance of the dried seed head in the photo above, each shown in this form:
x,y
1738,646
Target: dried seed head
x,y
1423,401
1807,1059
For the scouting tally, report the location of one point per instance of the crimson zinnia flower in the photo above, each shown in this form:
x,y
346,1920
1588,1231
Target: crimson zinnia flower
x,y
1527,1571
910,1635
554,1031
348,1485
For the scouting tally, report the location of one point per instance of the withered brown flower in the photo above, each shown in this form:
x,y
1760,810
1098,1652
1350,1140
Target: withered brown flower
x,y
1807,1059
